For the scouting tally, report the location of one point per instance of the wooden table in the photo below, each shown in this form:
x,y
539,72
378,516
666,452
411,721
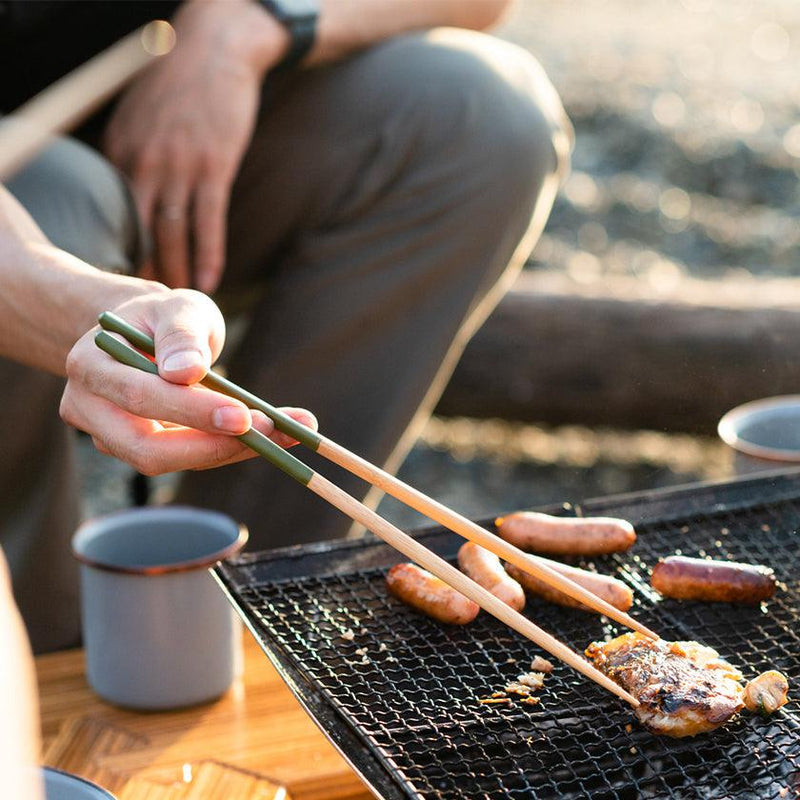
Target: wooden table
x,y
255,742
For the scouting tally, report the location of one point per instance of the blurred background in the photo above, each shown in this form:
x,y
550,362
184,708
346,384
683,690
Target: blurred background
x,y
666,287
680,221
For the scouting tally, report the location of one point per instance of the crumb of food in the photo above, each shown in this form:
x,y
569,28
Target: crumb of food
x,y
522,689
494,701
628,728
518,688
724,531
685,529
633,751
783,792
391,658
767,692
540,664
766,529
363,631
529,740
362,651
349,635
383,648
365,660
510,660
533,679
526,684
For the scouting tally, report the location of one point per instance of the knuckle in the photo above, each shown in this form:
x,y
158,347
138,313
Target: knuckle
x,y
72,365
65,410
177,337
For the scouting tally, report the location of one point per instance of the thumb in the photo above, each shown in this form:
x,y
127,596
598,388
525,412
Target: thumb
x,y
184,335
185,360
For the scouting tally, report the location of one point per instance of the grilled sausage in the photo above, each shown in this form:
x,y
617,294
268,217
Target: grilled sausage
x,y
609,589
588,536
721,581
419,589
486,569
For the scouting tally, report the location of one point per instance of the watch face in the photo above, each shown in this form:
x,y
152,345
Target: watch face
x,y
296,8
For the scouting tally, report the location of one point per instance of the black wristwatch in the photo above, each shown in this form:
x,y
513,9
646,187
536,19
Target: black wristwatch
x,y
299,17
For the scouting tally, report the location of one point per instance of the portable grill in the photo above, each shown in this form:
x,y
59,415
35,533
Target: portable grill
x,y
398,693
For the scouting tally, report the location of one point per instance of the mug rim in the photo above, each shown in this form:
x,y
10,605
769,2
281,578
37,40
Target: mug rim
x,y
728,428
79,779
205,561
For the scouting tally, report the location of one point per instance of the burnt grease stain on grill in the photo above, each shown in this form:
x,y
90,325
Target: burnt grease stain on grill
x,y
411,713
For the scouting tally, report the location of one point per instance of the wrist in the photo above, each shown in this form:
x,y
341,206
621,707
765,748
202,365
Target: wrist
x,y
86,291
238,30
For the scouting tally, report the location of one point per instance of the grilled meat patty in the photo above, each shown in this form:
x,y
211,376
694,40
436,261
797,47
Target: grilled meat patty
x,y
683,688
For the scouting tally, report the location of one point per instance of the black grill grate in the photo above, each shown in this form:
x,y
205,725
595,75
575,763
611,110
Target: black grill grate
x,y
407,686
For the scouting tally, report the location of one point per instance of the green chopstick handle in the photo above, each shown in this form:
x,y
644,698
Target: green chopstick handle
x,y
283,422
254,439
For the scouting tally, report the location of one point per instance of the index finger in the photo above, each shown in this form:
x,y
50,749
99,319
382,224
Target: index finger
x,y
147,395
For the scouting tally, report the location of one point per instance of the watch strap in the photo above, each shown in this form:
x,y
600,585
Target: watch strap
x,y
299,17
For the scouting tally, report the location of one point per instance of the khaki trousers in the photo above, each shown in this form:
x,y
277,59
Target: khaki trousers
x,y
384,206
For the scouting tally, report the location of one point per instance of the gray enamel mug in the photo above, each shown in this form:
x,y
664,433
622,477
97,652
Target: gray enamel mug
x,y
764,434
157,630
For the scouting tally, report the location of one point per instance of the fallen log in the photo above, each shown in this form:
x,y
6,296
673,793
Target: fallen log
x,y
621,355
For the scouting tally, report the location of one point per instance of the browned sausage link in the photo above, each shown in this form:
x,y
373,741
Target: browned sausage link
x,y
486,569
589,536
419,589
610,589
721,581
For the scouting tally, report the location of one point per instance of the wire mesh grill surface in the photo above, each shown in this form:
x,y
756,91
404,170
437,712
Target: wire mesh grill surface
x,y
409,686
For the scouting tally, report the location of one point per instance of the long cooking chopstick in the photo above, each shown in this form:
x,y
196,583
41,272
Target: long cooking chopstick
x,y
377,477
60,106
393,536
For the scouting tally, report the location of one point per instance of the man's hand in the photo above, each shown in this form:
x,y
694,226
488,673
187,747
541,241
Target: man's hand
x,y
166,422
182,128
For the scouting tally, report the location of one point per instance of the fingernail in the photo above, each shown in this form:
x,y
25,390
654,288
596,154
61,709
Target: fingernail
x,y
231,419
183,359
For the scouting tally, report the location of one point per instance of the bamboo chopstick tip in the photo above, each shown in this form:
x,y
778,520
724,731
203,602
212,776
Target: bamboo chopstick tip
x,y
158,37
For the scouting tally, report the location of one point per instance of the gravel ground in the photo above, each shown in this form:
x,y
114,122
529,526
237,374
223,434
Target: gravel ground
x,y
687,152
686,165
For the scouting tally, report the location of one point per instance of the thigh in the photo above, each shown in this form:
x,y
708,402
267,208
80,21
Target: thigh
x,y
402,121
82,204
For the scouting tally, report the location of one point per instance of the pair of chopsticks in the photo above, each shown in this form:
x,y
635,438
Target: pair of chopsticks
x,y
392,535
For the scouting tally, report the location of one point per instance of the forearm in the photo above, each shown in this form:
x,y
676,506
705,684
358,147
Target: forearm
x,y
243,30
48,298
347,25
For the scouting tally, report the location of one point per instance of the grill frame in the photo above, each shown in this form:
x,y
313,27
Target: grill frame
x,y
345,563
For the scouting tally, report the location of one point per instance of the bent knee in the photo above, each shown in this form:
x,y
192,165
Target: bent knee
x,y
481,104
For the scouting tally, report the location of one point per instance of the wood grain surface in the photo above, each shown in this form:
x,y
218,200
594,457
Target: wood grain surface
x,y
254,742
